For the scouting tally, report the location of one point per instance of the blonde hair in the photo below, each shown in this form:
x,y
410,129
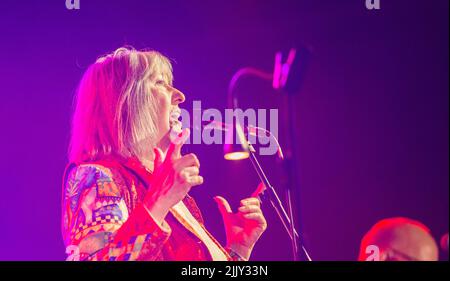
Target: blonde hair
x,y
115,112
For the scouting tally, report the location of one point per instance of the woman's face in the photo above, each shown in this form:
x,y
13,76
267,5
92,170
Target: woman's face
x,y
168,98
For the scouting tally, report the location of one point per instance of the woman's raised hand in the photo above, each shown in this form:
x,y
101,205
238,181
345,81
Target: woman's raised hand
x,y
173,177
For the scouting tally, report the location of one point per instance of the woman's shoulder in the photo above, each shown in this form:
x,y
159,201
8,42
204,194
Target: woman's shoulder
x,y
89,169
93,173
92,193
107,180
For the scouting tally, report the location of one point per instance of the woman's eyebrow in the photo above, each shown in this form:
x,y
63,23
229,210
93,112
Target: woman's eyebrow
x,y
168,80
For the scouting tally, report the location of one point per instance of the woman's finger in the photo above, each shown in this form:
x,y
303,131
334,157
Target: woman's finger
x,y
250,201
259,190
174,151
191,171
249,209
256,217
195,180
159,158
187,161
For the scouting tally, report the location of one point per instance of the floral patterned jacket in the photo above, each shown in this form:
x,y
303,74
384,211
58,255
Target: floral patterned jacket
x,y
103,218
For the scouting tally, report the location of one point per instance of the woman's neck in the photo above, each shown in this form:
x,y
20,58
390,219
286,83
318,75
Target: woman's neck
x,y
148,160
148,164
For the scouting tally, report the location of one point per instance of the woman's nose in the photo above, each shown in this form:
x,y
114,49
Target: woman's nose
x,y
177,96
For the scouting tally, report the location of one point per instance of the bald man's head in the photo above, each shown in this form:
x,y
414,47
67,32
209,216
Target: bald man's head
x,y
398,239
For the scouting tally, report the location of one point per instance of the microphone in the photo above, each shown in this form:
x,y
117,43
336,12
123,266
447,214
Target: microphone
x,y
248,130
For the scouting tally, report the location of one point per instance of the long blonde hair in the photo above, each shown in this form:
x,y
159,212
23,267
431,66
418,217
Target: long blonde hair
x,y
115,112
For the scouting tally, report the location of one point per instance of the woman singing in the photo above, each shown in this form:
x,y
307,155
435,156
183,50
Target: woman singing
x,y
125,189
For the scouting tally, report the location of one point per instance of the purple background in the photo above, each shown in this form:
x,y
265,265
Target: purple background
x,y
371,119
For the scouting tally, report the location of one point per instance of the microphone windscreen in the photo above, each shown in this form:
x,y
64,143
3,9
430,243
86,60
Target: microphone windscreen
x,y
297,71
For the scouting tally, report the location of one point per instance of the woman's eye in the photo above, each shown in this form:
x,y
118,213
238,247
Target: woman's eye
x,y
160,82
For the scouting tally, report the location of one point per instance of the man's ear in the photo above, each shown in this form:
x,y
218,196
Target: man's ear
x,y
372,253
384,255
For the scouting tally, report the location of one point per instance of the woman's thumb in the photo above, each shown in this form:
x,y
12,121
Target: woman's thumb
x,y
159,158
224,206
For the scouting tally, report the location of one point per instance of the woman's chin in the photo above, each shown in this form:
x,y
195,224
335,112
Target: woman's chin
x,y
176,129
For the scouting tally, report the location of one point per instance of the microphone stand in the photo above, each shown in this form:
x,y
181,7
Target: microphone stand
x,y
270,196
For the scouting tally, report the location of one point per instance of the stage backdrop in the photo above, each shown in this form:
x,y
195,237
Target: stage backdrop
x,y
371,119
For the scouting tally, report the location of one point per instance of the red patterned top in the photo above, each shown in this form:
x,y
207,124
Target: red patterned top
x,y
104,219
